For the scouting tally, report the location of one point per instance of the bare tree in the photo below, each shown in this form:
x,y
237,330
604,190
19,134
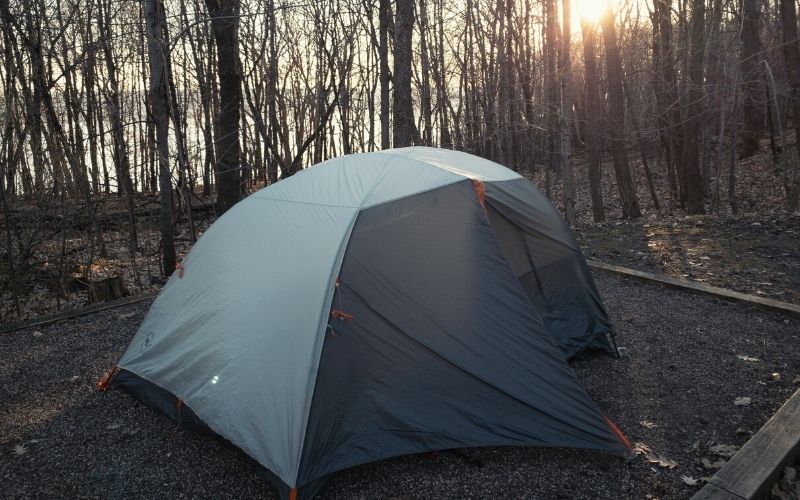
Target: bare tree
x,y
403,111
592,113
384,16
791,56
752,74
225,25
155,25
565,74
616,118
693,121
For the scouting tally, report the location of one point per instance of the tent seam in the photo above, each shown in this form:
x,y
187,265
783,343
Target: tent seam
x,y
282,200
324,313
395,155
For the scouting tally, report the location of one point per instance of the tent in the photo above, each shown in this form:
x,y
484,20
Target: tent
x,y
376,305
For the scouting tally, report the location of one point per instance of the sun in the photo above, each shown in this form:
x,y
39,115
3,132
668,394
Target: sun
x,y
589,10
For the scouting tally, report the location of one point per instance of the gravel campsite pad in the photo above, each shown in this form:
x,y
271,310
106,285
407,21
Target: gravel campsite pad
x,y
700,377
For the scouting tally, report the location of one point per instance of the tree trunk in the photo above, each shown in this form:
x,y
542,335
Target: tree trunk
x,y
527,74
404,126
666,95
272,92
225,25
384,17
616,118
791,56
445,140
593,111
154,21
565,74
552,100
752,75
425,68
693,123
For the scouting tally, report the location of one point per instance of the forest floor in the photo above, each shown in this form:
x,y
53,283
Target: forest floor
x,y
756,250
750,254
701,376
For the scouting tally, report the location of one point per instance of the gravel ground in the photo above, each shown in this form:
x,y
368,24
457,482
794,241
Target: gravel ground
x,y
674,395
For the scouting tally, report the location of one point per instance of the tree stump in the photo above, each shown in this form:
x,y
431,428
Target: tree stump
x,y
107,289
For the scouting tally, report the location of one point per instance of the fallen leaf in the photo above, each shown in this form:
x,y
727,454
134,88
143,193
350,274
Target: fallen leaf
x,y
778,493
662,461
641,449
126,315
37,334
648,425
689,480
742,401
776,377
708,464
724,450
747,358
19,450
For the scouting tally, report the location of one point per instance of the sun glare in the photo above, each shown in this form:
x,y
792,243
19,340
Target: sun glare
x,y
589,10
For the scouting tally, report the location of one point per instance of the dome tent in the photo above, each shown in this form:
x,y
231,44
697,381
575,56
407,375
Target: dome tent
x,y
376,305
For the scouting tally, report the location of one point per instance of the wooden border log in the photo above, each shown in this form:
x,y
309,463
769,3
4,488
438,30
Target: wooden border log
x,y
752,300
74,313
752,471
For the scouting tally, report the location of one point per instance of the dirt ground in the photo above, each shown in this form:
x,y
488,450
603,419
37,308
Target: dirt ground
x,y
755,251
759,255
700,377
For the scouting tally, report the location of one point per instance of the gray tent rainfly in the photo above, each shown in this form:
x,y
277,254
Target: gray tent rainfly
x,y
376,305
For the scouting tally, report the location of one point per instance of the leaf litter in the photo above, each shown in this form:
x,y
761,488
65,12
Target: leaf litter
x,y
645,451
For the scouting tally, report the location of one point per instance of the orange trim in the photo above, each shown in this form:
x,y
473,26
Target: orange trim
x,y
178,404
337,314
480,191
179,267
618,433
293,494
105,379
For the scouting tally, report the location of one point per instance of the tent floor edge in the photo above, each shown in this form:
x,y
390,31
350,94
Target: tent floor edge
x,y
161,400
167,403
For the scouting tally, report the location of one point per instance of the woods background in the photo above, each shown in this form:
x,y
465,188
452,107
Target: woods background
x,y
128,126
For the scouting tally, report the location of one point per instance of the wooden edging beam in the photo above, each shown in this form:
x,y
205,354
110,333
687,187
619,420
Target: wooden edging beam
x,y
751,473
743,298
74,313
